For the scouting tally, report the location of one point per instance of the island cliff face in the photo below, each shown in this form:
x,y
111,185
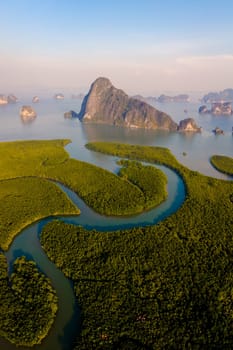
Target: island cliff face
x,y
217,108
188,124
105,104
27,113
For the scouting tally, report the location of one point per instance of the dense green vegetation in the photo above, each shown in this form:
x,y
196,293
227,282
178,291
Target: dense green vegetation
x,y
25,200
27,195
27,158
151,181
105,192
28,303
168,286
223,164
151,154
161,287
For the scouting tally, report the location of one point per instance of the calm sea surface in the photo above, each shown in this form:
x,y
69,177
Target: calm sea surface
x,y
50,124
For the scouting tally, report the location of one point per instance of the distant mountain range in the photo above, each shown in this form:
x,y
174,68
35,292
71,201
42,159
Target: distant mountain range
x,y
222,96
163,98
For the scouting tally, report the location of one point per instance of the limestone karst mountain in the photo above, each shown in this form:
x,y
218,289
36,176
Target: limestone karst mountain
x,y
106,104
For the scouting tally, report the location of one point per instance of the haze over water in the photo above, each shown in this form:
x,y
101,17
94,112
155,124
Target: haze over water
x,y
50,123
146,48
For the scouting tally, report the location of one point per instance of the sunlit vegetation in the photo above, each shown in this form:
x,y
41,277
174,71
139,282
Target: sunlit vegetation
x,y
151,181
151,154
223,164
105,192
161,287
25,200
28,303
27,195
26,158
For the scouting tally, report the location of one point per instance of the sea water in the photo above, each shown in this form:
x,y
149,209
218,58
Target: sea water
x,y
191,149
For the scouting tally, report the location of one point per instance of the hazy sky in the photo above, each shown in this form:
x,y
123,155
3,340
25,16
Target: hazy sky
x,y
146,46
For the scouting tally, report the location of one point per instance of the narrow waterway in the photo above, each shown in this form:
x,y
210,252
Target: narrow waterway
x,y
27,243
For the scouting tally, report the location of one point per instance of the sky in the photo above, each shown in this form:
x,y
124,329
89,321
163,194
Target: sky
x,y
145,47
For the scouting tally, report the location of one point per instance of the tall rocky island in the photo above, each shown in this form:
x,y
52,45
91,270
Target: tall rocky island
x,y
104,104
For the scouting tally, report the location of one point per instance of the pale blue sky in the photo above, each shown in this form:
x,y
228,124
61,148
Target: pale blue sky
x,y
146,47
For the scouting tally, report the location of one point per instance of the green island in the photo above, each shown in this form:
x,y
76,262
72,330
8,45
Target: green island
x,y
223,164
28,303
27,195
168,286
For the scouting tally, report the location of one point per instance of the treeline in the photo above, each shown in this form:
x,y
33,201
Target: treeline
x,y
223,164
28,303
152,154
167,286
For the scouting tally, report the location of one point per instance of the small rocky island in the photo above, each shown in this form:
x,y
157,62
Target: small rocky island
x,y
27,113
70,115
59,96
35,99
177,98
12,99
188,125
217,108
4,100
105,104
218,131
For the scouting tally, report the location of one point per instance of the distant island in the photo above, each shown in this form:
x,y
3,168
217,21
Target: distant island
x,y
163,98
189,124
177,98
217,108
4,100
35,99
147,99
218,131
27,113
222,96
59,96
70,115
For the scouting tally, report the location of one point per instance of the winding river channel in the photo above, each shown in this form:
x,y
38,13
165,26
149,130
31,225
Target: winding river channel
x,y
51,124
27,243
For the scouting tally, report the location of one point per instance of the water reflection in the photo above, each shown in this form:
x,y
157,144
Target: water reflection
x,y
27,120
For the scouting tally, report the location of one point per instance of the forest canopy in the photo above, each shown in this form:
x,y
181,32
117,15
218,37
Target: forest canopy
x,y
159,286
223,164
